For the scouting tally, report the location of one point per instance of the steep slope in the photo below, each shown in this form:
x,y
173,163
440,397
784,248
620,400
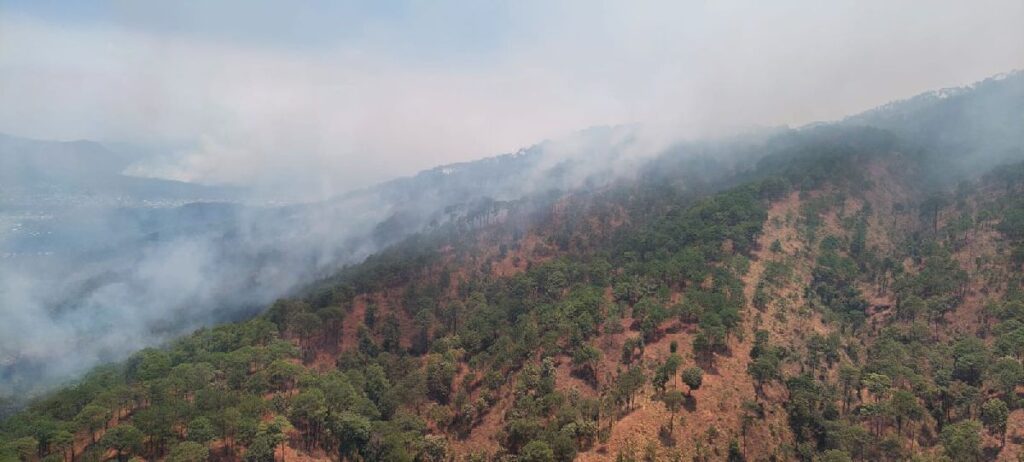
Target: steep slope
x,y
835,301
80,253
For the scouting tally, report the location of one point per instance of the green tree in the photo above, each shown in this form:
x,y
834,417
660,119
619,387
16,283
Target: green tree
x,y
391,334
970,359
536,451
352,432
332,319
64,441
693,377
878,384
763,369
189,378
735,453
248,430
261,449
200,430
665,371
673,402
124,438
930,209
150,364
585,360
277,430
157,422
440,373
309,413
306,325
434,448
366,342
849,379
281,374
92,418
994,414
227,422
702,346
188,451
962,440
630,348
24,448
627,384
904,406
1007,374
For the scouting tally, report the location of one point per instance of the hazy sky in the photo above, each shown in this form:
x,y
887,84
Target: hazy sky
x,y
334,95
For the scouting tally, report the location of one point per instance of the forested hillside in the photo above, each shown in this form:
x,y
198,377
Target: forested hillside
x,y
821,294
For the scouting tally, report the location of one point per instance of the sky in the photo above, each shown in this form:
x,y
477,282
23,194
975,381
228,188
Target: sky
x,y
317,98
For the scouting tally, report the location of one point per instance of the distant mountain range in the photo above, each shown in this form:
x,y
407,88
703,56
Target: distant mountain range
x,y
34,173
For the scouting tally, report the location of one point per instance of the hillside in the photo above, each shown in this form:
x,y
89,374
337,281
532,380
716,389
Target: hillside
x,y
83,246
818,294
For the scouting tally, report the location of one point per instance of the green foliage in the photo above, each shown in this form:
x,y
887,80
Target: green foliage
x,y
1007,373
673,399
92,417
188,451
811,410
970,359
666,371
352,433
200,430
261,449
24,448
765,361
440,372
627,384
962,440
149,364
835,455
693,377
124,438
536,451
994,414
735,454
585,360
834,282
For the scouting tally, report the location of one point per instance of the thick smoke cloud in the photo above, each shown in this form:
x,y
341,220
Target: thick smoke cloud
x,y
151,274
320,102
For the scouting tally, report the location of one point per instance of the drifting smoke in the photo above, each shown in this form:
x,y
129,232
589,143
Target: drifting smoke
x,y
352,96
115,279
312,104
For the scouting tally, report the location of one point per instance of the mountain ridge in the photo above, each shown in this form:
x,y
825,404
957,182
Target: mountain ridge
x,y
834,300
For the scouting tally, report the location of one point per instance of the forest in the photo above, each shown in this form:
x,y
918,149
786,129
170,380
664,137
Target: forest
x,y
832,299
